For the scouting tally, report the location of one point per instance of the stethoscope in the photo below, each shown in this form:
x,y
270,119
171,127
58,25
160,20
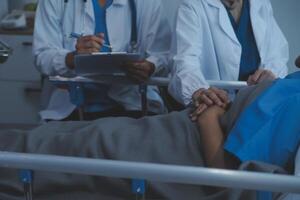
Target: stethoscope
x,y
133,46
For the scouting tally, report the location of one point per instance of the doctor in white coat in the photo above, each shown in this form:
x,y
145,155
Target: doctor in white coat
x,y
224,40
101,22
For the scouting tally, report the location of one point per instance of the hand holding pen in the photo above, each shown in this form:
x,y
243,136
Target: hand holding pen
x,y
85,45
90,43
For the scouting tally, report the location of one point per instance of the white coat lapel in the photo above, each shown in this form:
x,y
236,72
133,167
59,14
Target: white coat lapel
x,y
258,23
90,11
224,20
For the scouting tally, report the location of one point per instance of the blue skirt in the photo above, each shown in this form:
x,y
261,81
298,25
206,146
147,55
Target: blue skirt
x,y
269,129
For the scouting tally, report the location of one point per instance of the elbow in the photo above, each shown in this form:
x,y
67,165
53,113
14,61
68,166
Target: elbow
x,y
175,94
42,67
175,91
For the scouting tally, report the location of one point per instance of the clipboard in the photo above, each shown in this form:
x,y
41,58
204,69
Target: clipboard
x,y
103,63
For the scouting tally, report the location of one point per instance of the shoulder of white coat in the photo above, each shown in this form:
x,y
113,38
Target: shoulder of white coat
x,y
194,5
150,5
54,5
264,3
50,3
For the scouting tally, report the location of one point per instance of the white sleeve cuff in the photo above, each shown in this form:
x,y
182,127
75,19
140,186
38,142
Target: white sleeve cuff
x,y
159,68
59,62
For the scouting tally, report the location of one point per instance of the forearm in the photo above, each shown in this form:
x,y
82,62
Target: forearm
x,y
212,138
51,61
70,60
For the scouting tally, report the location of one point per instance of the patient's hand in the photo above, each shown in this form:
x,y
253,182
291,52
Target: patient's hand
x,y
212,113
204,99
261,75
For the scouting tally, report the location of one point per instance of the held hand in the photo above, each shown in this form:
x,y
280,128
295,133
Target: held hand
x,y
205,98
261,75
139,71
90,44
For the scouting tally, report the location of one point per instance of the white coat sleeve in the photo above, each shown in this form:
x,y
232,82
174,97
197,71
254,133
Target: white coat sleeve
x,y
159,37
187,76
277,52
48,39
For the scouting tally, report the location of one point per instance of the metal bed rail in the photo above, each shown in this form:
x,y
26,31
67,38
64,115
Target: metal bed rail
x,y
77,82
155,81
152,172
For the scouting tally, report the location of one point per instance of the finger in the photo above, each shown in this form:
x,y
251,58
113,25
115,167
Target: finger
x,y
267,75
141,69
87,51
135,66
249,81
201,109
101,35
256,76
216,100
134,78
81,46
196,96
262,77
135,74
198,112
142,77
141,74
196,103
93,44
97,39
223,95
206,100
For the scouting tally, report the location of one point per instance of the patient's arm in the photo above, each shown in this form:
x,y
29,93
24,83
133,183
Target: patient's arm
x,y
212,138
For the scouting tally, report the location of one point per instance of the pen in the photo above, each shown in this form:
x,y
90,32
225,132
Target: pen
x,y
77,36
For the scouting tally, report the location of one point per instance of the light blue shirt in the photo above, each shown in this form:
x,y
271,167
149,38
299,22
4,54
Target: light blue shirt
x,y
100,17
96,96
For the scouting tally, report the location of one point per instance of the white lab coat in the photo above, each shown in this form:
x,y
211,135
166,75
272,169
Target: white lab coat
x,y
55,22
206,47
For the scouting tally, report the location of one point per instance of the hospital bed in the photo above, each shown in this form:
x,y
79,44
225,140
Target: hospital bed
x,y
141,172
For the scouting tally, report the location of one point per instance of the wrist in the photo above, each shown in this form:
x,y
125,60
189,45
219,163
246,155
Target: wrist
x,y
151,68
70,60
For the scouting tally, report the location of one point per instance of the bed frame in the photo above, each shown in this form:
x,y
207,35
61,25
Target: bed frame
x,y
146,171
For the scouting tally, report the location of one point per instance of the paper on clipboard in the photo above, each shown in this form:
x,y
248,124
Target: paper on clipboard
x,y
103,63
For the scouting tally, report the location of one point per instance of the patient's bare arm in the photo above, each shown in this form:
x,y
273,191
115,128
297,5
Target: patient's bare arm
x,y
212,138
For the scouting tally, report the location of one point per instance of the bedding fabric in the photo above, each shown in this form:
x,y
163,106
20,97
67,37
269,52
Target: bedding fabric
x,y
166,139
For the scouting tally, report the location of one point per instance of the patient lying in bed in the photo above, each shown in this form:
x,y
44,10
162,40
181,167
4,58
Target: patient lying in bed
x,y
167,139
266,130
